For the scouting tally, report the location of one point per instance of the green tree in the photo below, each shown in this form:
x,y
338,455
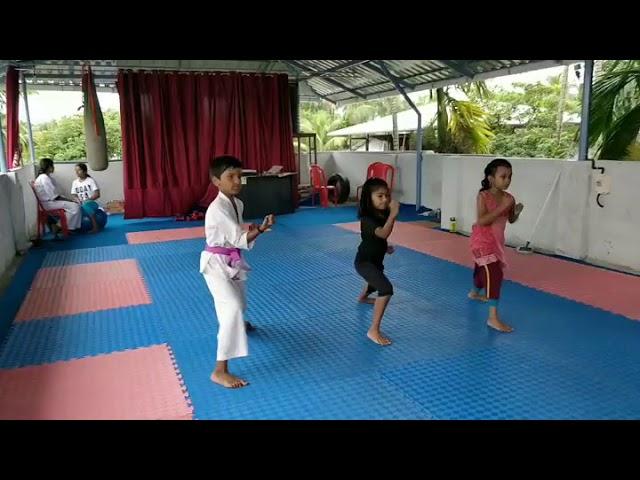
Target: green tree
x,y
460,126
466,129
368,110
114,133
64,140
525,120
322,118
614,123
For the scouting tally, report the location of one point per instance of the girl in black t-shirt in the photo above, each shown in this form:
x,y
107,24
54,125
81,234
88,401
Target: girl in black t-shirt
x,y
377,215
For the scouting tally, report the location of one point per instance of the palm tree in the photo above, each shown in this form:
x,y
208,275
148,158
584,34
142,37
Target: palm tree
x,y
321,122
356,113
615,111
462,125
364,111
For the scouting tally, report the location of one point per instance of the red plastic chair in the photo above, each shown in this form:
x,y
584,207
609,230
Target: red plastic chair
x,y
370,171
380,170
319,185
43,216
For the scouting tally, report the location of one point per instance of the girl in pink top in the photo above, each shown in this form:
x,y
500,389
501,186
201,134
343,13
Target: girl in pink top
x,y
495,206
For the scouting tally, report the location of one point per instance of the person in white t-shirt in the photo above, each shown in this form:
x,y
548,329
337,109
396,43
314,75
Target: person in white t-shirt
x,y
85,191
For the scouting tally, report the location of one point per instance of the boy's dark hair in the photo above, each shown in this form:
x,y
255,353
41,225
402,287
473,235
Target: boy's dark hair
x,y
83,167
219,165
366,208
491,169
45,163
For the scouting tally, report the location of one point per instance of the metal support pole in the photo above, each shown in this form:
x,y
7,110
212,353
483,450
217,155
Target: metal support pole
x,y
583,151
394,134
25,96
418,135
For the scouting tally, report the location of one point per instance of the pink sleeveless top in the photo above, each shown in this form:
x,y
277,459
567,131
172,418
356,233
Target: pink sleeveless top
x,y
487,241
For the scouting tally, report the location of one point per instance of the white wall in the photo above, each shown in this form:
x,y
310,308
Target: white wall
x,y
18,207
24,176
353,165
572,225
614,231
306,160
532,181
110,181
13,228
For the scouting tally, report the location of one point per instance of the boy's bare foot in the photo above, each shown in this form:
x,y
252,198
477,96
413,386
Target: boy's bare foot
x,y
93,230
377,337
496,324
370,301
227,380
476,296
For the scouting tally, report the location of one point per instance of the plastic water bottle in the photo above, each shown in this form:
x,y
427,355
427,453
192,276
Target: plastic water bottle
x,y
452,227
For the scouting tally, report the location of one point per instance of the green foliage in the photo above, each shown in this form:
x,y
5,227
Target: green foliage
x,y
63,139
615,109
535,108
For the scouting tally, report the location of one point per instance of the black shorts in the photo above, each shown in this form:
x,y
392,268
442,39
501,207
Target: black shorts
x,y
375,278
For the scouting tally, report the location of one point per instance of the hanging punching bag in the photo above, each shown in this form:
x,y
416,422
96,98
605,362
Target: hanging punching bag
x,y
94,131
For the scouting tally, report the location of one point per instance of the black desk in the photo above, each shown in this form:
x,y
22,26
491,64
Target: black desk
x,y
263,195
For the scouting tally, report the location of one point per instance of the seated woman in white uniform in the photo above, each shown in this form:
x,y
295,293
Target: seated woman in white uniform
x,y
46,190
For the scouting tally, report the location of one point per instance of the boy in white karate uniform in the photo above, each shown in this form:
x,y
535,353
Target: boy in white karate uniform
x,y
223,267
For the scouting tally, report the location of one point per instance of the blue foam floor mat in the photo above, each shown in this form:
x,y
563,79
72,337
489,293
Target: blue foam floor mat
x,y
310,358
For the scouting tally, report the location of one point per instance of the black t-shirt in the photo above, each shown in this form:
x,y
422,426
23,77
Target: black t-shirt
x,y
372,248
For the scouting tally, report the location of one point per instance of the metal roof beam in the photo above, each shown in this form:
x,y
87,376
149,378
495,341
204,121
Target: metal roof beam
x,y
386,73
459,68
304,69
324,97
386,82
526,67
353,63
67,76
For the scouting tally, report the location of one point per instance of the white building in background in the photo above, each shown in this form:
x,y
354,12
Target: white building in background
x,y
379,130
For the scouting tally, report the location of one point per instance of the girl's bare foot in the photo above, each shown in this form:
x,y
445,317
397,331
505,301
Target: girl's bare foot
x,y
364,296
227,380
368,300
377,337
476,296
496,324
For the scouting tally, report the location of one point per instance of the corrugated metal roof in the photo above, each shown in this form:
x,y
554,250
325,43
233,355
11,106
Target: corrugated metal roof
x,y
338,81
67,74
365,80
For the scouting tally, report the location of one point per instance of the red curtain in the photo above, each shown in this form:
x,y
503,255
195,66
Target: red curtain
x,y
173,123
13,119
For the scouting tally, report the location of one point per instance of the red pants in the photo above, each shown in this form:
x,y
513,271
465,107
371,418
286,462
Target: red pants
x,y
488,277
